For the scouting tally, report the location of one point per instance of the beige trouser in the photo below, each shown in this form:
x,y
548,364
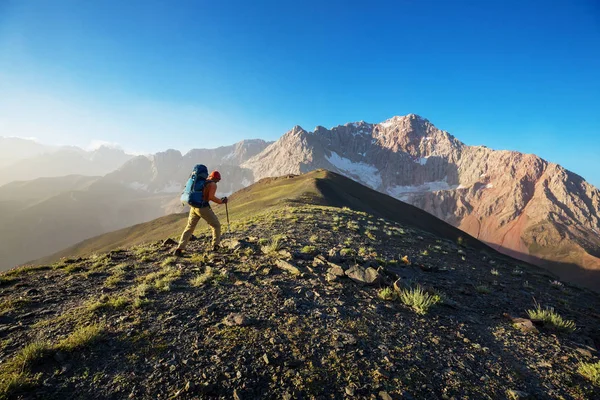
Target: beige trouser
x,y
209,216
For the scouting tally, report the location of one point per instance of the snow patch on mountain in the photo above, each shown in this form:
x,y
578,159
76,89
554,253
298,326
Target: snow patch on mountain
x,y
363,172
401,192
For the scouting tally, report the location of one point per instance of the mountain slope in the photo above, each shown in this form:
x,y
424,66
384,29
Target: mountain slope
x,y
13,149
304,301
319,187
167,172
519,203
45,215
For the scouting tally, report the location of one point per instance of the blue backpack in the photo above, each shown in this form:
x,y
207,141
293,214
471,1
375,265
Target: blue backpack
x,y
194,188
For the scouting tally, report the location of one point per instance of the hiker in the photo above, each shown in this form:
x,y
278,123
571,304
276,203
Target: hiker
x,y
204,212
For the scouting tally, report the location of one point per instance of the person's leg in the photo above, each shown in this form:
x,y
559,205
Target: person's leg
x,y
193,219
211,219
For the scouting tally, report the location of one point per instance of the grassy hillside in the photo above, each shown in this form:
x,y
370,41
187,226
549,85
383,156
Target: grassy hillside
x,y
317,188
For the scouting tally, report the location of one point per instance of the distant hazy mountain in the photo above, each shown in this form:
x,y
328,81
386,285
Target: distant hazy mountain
x,y
63,161
14,149
41,216
167,172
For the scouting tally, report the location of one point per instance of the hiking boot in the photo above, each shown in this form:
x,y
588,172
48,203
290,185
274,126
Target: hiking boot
x,y
178,253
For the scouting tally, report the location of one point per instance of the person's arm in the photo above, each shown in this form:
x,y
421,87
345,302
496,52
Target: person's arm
x,y
212,189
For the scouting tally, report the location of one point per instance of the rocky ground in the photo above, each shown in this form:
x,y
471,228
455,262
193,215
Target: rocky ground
x,y
302,302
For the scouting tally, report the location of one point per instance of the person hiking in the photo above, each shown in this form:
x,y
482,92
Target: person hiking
x,y
204,212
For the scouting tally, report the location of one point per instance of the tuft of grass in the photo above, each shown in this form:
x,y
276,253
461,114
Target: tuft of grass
x,y
405,260
274,245
14,304
425,253
495,272
107,303
169,261
198,258
142,290
309,250
369,233
517,272
387,294
206,277
551,318
590,371
15,373
418,299
72,268
353,226
314,239
346,252
31,354
483,289
81,337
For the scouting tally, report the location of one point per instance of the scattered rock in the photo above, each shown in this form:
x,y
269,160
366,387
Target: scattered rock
x,y
523,324
169,242
334,256
286,266
368,276
584,352
385,395
236,319
336,270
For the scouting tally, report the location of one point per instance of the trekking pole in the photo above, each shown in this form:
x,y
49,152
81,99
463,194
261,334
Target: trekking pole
x,y
227,213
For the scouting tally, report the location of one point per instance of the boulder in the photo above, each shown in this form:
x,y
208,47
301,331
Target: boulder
x,y
365,276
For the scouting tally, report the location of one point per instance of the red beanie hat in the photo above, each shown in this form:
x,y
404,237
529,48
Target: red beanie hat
x,y
214,176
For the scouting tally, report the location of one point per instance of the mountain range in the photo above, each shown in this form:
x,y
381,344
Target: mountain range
x,y
520,204
24,159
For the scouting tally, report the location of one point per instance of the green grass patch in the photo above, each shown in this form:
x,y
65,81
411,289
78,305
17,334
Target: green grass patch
x,y
418,299
274,245
198,258
590,371
169,261
347,252
108,303
309,250
81,337
369,233
551,319
9,305
206,277
387,294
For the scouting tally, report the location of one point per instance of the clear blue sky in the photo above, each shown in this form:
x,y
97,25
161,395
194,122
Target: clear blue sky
x,y
151,75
